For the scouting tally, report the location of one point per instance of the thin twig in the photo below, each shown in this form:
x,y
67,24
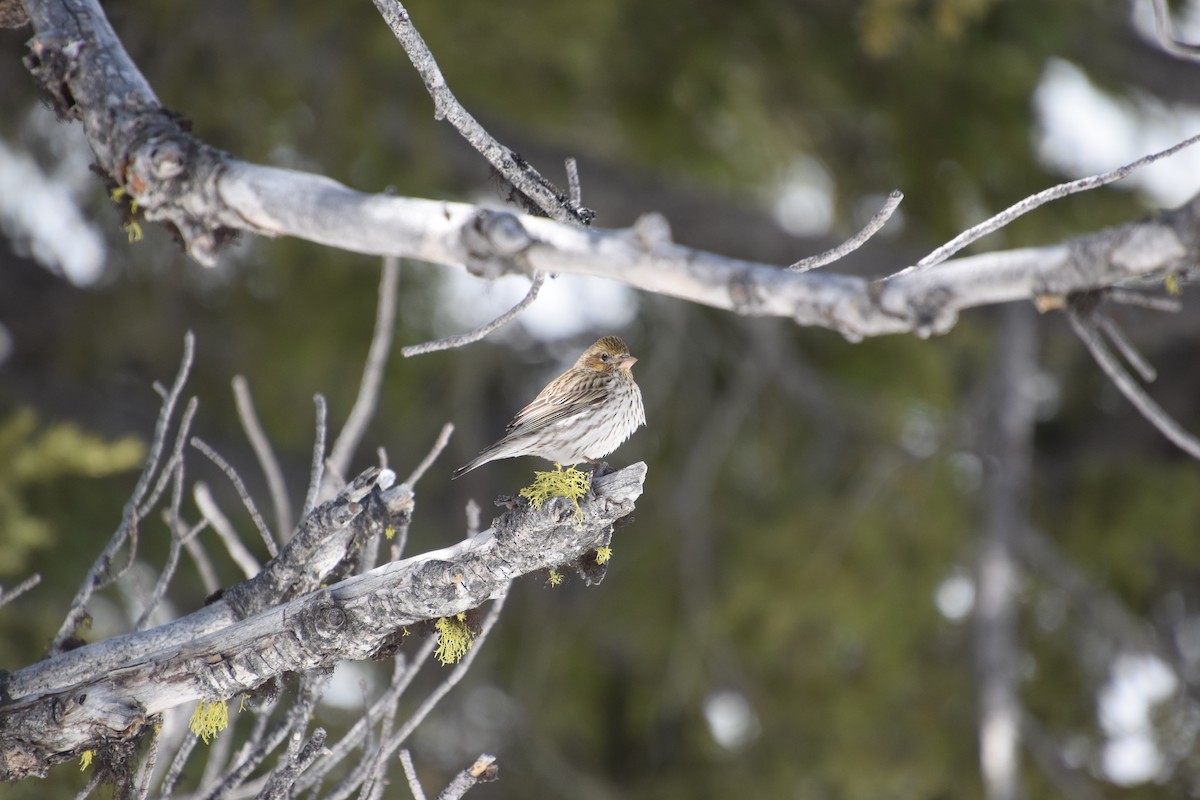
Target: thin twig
x,y
242,491
574,191
462,339
1129,387
141,787
276,485
438,446
212,513
473,512
91,785
176,769
129,519
358,732
297,719
1153,302
18,590
516,170
318,458
283,777
1041,198
1163,31
172,563
484,769
414,784
204,565
375,781
363,410
858,240
1130,353
459,671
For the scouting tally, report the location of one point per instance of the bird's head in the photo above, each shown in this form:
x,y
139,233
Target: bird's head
x,y
607,355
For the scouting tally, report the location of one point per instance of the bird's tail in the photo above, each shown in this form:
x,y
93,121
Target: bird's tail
x,y
477,461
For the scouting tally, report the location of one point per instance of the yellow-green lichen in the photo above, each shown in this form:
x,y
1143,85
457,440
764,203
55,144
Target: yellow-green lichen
x,y
569,483
455,638
209,719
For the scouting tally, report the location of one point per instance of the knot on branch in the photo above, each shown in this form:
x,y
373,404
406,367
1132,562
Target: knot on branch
x,y
53,62
925,310
493,241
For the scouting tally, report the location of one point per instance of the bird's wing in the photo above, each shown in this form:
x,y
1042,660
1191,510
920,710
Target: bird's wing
x,y
567,395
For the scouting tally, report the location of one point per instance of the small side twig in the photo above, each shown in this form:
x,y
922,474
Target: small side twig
x,y
204,565
1130,353
482,771
18,590
858,240
212,513
318,458
1164,32
242,491
1058,192
129,519
1149,409
414,784
438,446
1153,302
167,787
574,191
463,339
276,485
460,670
401,680
516,170
367,400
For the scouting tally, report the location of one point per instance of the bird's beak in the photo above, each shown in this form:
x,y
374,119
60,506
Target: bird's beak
x,y
626,362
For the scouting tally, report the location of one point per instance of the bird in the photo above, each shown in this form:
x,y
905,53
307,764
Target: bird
x,y
582,415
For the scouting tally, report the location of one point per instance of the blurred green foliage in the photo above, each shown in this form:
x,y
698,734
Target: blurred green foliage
x,y
50,458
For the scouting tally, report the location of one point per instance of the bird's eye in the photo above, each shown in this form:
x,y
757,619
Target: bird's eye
x,y
604,356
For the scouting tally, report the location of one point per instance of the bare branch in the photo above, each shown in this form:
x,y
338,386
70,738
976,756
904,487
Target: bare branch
x,y
1040,199
18,590
276,485
1149,409
515,169
204,566
129,521
385,705
438,446
176,527
242,491
1164,30
365,403
573,188
318,458
1171,305
167,788
847,247
483,770
204,194
212,514
355,618
456,675
463,339
414,784
1130,353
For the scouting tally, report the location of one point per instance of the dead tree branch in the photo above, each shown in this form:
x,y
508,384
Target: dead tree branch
x,y
53,710
205,195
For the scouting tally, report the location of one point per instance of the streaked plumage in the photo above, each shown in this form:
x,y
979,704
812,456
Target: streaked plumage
x,y
582,415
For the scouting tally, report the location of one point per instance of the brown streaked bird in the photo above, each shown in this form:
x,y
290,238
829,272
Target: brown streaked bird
x,y
582,415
